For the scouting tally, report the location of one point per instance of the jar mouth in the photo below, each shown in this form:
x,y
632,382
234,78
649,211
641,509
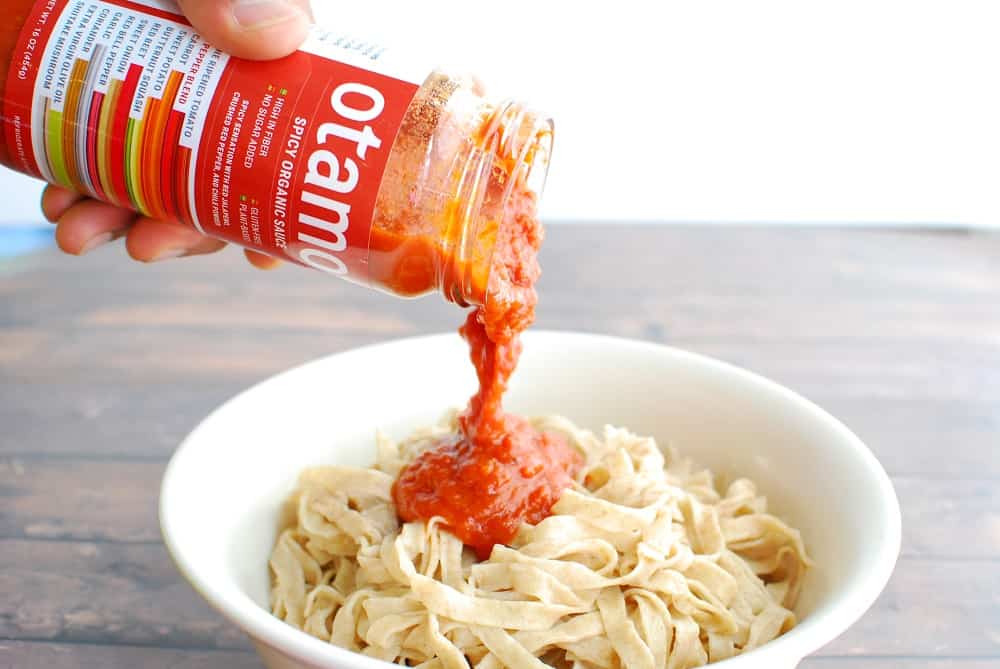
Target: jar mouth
x,y
513,149
527,137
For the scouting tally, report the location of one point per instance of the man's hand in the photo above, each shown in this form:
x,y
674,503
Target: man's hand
x,y
253,29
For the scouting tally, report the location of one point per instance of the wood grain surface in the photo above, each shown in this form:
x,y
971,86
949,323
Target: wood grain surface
x,y
105,366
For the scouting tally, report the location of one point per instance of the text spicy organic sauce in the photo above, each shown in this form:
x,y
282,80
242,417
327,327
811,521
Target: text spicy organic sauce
x,y
345,157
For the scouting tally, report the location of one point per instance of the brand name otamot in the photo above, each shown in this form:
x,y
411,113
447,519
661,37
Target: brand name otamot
x,y
325,216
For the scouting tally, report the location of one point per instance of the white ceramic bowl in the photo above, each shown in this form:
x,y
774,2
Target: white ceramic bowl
x,y
219,507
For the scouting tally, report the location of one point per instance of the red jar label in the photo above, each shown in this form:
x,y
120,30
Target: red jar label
x,y
124,101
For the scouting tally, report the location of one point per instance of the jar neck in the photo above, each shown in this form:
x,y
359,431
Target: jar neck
x,y
506,160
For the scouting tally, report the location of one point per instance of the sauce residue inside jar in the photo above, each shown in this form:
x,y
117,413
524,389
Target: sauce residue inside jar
x,y
498,471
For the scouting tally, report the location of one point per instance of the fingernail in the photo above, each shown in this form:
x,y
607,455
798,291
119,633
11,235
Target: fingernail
x,y
257,14
94,242
169,254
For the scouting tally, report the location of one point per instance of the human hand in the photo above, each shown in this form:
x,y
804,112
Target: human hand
x,y
252,29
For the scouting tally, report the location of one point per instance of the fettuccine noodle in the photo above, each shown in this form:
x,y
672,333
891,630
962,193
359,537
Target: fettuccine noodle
x,y
643,564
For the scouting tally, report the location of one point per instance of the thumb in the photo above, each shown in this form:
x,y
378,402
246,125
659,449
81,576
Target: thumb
x,y
253,29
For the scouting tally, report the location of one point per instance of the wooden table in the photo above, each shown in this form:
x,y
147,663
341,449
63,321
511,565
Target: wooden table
x,y
105,365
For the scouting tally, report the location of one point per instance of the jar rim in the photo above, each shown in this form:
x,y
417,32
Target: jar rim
x,y
518,141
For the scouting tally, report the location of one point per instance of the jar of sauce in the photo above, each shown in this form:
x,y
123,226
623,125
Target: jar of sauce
x,y
345,157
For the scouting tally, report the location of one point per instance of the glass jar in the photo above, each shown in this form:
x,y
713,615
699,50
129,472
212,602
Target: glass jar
x,y
343,157
462,167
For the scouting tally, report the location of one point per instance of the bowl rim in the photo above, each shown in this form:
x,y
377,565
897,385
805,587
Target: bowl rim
x,y
809,635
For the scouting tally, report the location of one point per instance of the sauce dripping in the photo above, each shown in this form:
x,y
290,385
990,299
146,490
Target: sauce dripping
x,y
498,471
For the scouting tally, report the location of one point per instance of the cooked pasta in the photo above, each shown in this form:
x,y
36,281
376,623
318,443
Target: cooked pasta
x,y
643,564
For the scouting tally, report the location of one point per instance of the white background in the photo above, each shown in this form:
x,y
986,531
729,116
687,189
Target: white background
x,y
853,111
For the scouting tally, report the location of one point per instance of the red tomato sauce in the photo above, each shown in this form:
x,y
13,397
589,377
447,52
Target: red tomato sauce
x,y
498,471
